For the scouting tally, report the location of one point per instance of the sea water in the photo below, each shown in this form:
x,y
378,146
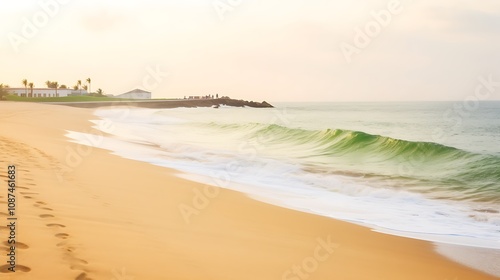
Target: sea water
x,y
428,170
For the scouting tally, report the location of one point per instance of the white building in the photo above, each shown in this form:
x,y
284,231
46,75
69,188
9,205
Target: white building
x,y
45,92
135,94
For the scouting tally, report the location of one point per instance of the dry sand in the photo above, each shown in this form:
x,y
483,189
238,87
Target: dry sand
x,y
87,214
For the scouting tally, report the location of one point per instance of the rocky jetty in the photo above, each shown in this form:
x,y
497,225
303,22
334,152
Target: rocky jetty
x,y
169,103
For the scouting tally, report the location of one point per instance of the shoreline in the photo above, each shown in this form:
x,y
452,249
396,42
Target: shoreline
x,y
123,217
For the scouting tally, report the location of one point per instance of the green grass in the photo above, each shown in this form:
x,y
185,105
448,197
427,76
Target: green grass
x,y
62,99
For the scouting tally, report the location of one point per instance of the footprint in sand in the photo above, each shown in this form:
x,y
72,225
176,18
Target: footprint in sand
x,y
78,267
28,193
19,245
46,216
28,197
78,264
80,261
82,276
55,225
62,235
76,261
40,204
66,247
5,268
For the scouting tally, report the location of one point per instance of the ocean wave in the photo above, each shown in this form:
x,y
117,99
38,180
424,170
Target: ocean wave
x,y
466,175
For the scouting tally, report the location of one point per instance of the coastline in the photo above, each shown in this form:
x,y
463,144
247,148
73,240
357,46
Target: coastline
x,y
90,214
188,103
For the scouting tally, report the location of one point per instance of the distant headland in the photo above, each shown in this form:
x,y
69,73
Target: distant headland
x,y
172,103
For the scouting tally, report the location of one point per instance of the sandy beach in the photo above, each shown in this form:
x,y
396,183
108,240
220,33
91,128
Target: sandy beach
x,y
84,213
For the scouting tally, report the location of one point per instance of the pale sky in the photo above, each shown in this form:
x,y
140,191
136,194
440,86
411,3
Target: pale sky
x,y
272,50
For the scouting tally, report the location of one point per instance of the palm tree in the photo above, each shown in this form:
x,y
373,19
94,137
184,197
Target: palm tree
x,y
53,85
31,85
100,92
63,86
85,87
25,83
75,87
56,84
88,81
3,91
79,83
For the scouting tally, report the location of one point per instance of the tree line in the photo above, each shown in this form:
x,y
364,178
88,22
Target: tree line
x,y
55,85
3,91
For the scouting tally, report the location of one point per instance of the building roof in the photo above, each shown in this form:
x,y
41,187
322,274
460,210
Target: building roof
x,y
136,91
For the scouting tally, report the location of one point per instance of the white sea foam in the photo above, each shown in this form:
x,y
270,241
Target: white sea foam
x,y
483,259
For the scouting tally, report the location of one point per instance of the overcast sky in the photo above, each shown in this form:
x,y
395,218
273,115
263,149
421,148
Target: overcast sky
x,y
274,50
